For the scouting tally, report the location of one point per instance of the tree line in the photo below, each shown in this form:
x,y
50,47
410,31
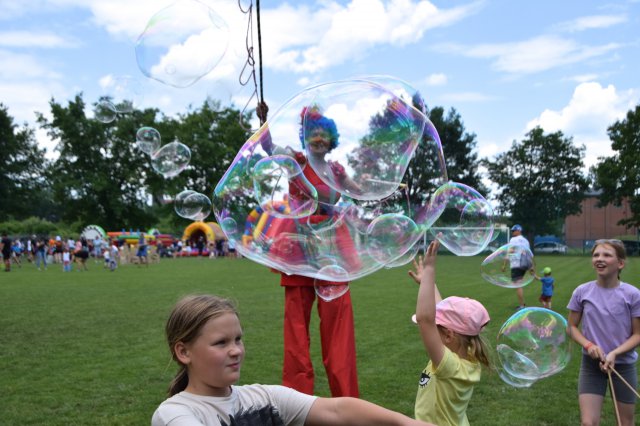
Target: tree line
x,y
99,176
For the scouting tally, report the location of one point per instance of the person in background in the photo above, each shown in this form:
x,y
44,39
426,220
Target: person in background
x,y
548,285
7,249
609,311
205,339
450,330
519,263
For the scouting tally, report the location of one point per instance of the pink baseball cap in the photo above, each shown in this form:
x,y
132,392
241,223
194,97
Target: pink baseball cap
x,y
462,315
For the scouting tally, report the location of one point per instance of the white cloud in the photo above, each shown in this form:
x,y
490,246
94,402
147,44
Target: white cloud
x,y
535,55
436,80
591,22
21,66
591,110
33,39
342,33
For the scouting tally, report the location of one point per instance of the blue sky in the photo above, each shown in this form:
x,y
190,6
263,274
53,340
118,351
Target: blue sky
x,y
505,66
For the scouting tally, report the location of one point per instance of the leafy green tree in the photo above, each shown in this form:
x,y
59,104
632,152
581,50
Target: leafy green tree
x,y
618,176
98,177
23,188
540,181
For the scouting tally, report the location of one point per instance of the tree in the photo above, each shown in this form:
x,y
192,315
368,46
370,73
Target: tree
x,y
540,181
618,176
22,165
98,177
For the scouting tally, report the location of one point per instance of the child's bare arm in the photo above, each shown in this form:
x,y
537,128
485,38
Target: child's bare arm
x,y
428,296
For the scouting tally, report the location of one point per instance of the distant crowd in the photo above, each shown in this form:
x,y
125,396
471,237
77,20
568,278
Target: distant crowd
x,y
45,251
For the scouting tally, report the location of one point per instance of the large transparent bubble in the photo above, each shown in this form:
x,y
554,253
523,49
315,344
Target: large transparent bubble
x,y
497,267
533,344
182,43
463,219
318,190
171,159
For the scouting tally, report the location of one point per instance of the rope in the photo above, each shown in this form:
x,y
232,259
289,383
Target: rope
x,y
249,67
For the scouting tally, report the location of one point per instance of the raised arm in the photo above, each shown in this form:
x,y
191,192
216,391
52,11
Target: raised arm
x,y
428,296
354,412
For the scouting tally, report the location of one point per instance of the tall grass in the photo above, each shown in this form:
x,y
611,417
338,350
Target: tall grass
x,y
87,348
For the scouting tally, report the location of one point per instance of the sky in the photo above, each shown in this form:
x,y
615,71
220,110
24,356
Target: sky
x,y
504,66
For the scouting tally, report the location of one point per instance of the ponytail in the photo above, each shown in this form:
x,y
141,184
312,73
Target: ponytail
x,y
180,382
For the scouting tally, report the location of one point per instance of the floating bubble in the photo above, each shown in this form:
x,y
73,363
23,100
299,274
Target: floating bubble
x,y
405,258
331,292
148,140
316,206
390,236
171,159
464,223
192,205
513,381
105,112
533,344
182,43
496,268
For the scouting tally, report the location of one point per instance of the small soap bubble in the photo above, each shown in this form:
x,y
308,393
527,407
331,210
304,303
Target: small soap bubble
x,y
329,292
171,159
496,268
105,112
390,236
192,205
148,140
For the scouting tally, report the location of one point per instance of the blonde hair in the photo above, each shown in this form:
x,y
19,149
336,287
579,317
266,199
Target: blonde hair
x,y
185,322
476,347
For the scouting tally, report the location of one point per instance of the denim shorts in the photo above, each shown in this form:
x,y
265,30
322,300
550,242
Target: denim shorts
x,y
593,380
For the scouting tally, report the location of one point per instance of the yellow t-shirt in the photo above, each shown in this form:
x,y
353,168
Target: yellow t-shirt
x,y
444,393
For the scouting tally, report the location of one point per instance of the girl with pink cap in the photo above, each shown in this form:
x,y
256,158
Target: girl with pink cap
x,y
450,331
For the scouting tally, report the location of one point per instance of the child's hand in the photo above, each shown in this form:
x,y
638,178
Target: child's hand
x,y
431,254
418,267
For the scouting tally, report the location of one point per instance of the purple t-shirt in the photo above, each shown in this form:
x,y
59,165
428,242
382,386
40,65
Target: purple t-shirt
x,y
607,315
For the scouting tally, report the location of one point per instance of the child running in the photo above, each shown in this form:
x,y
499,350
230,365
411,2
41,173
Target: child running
x,y
205,339
450,330
548,285
609,310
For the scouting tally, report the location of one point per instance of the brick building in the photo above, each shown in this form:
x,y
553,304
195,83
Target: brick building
x,y
597,222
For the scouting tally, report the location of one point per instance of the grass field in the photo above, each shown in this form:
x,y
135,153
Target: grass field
x,y
87,348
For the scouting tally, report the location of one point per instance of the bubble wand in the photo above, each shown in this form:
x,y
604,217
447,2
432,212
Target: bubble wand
x,y
625,382
613,398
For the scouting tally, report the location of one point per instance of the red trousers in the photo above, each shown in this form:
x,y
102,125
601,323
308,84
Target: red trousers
x,y
337,337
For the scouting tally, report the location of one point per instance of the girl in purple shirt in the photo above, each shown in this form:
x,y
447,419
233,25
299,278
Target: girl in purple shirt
x,y
609,310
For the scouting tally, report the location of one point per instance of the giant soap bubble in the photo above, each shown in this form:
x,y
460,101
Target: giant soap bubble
x,y
532,344
182,43
496,268
318,191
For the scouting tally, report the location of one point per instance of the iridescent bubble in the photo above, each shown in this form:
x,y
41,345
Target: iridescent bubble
x,y
274,178
182,43
513,381
464,222
496,268
340,214
148,140
390,236
332,292
105,112
192,205
533,344
171,159
359,137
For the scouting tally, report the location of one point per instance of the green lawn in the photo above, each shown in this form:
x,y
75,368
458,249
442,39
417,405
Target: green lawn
x,y
87,348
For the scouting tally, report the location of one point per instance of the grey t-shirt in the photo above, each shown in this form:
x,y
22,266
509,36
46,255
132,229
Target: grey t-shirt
x,y
607,315
247,405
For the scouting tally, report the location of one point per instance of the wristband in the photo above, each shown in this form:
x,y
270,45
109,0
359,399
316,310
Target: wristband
x,y
587,346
